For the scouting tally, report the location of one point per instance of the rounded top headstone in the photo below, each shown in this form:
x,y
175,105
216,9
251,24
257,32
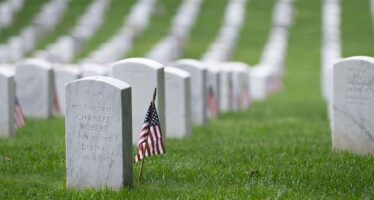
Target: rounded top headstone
x,y
178,72
357,58
105,79
189,62
137,61
35,63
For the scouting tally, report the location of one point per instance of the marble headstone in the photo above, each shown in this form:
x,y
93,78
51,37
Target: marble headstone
x,y
92,69
199,94
236,94
259,78
213,88
7,101
226,89
98,133
353,105
63,75
178,102
34,88
244,75
144,75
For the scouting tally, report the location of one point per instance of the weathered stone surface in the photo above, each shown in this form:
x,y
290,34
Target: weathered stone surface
x,y
98,133
353,105
178,102
144,75
199,94
34,88
7,100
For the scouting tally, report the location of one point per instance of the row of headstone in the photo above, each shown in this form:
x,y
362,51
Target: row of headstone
x,y
104,115
267,75
225,43
19,46
8,11
40,84
68,46
97,110
331,45
171,47
119,45
227,82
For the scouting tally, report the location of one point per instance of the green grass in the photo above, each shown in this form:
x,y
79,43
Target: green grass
x,y
206,28
23,18
279,149
74,10
255,32
158,27
116,13
357,22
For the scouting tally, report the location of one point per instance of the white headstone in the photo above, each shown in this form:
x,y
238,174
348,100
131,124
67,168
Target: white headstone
x,y
178,102
243,72
199,94
4,54
260,76
144,76
92,69
213,88
353,105
34,88
6,16
7,101
226,88
237,86
16,50
29,39
98,133
63,75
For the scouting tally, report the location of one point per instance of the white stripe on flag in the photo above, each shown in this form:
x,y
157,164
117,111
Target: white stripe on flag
x,y
159,139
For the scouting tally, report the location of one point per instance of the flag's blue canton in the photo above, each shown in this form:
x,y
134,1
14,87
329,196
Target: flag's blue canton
x,y
153,120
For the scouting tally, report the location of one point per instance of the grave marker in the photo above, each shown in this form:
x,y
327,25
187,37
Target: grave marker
x,y
178,102
64,75
353,105
98,133
7,103
199,94
144,75
34,88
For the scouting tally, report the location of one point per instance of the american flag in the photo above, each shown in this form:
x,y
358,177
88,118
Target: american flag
x,y
150,141
212,104
56,104
19,117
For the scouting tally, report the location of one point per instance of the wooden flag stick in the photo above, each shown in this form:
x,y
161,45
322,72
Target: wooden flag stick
x,y
142,165
154,96
141,171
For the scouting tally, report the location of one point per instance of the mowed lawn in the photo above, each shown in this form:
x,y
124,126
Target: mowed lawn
x,y
279,149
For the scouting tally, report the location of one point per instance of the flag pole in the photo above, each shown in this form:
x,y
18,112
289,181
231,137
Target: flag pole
x,y
141,166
